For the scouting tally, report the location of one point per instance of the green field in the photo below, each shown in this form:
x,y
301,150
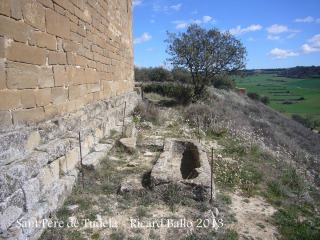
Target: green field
x,y
303,94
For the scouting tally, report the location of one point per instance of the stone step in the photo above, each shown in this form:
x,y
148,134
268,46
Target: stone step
x,y
100,151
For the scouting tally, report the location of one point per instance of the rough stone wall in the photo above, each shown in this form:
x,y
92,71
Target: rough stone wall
x,y
66,66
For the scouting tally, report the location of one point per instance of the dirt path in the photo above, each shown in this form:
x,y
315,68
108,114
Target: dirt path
x,y
122,213
253,217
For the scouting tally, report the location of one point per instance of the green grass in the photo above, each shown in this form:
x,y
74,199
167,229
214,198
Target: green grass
x,y
279,89
292,226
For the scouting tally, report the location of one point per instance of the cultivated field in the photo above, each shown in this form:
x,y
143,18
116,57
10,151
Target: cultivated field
x,y
287,95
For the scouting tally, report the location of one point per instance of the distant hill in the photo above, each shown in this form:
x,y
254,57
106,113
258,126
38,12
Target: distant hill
x,y
295,72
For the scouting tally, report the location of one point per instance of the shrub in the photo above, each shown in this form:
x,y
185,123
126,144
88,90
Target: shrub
x,y
141,74
147,112
308,121
181,93
223,82
265,100
160,74
288,102
181,75
254,96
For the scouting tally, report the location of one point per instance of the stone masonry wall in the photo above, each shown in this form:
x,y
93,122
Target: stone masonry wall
x,y
58,55
66,66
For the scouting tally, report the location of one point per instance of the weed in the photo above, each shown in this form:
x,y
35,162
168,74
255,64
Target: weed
x,y
91,217
227,173
95,236
117,235
49,234
261,225
147,112
74,235
192,236
113,133
216,133
135,238
63,213
171,196
293,180
223,234
292,226
153,235
141,211
236,148
203,206
250,177
84,203
276,189
230,218
226,199
228,234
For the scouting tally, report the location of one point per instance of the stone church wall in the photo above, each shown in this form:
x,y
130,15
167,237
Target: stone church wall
x,y
66,66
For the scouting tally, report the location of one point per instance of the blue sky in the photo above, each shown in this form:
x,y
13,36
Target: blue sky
x,y
276,33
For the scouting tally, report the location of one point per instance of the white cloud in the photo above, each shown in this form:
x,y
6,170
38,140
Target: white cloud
x,y
276,29
206,19
308,19
274,38
136,2
306,48
277,53
318,20
181,25
144,38
156,7
238,30
197,21
194,12
315,40
250,39
291,35
176,7
150,49
159,7
314,45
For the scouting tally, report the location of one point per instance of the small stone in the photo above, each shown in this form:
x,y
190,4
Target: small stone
x,y
207,215
99,218
153,141
73,207
132,164
215,211
130,185
92,160
146,125
229,160
148,154
103,147
73,219
129,143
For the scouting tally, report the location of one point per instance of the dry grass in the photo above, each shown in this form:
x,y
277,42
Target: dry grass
x,y
255,124
146,111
